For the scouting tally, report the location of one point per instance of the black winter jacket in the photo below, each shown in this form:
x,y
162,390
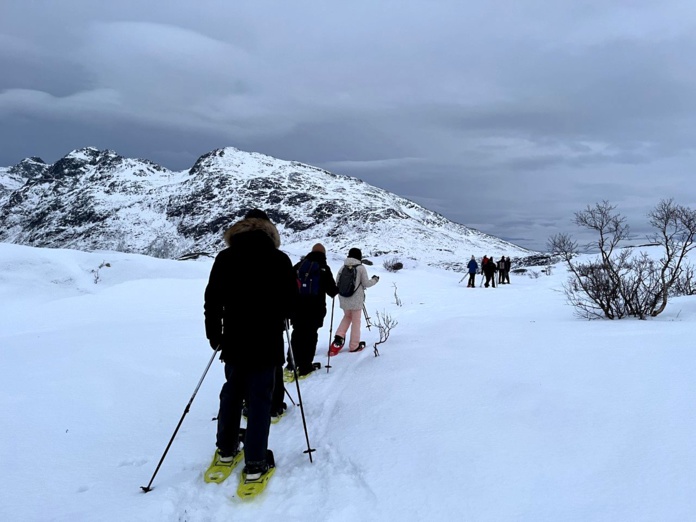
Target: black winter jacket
x,y
311,309
251,292
490,268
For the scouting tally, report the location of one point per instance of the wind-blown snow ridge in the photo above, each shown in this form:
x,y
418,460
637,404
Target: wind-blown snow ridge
x,y
98,200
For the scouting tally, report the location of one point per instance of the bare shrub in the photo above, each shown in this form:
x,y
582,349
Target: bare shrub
x,y
392,265
384,325
619,283
96,275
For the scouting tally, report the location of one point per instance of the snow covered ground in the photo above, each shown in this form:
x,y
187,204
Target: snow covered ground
x,y
485,405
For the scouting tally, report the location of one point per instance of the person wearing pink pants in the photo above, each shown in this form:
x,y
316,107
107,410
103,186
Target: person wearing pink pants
x,y
352,306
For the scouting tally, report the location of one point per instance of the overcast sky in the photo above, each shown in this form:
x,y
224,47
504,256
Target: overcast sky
x,y
504,115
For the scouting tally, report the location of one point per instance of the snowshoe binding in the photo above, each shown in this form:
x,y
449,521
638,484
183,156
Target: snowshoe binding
x,y
304,374
222,465
288,375
336,345
255,478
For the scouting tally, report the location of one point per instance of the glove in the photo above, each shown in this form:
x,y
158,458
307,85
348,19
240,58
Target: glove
x,y
376,278
214,343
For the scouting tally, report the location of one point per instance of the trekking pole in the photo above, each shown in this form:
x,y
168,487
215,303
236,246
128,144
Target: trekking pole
x,y
367,318
309,449
462,279
289,396
328,358
186,410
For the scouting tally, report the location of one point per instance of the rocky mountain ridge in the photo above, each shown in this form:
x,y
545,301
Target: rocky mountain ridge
x,y
97,200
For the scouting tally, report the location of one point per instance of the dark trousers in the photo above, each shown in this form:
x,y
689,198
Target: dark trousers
x,y
255,386
490,280
472,280
278,390
304,346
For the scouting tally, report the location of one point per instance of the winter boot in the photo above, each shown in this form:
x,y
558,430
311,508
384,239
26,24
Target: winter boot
x,y
360,348
222,466
277,414
336,345
255,476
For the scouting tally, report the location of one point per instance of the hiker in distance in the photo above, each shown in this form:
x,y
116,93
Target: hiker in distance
x,y
473,268
489,270
351,298
315,281
501,270
251,292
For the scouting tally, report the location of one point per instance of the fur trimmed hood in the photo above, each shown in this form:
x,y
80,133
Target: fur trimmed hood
x,y
250,225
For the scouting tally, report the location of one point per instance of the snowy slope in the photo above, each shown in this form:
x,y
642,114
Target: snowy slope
x,y
485,405
94,199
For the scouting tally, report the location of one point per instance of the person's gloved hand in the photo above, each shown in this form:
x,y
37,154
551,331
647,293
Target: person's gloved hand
x,y
376,278
214,343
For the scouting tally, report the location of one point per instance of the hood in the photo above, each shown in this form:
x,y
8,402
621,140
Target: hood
x,y
253,225
351,261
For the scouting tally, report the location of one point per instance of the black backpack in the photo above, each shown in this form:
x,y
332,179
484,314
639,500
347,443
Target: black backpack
x,y
346,281
308,277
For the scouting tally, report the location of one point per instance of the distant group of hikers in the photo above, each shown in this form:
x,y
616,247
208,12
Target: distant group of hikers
x,y
253,295
488,270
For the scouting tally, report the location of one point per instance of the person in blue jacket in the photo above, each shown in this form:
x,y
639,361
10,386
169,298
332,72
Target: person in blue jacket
x,y
473,268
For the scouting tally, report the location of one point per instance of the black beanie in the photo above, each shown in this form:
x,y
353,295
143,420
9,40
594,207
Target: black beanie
x,y
257,213
355,253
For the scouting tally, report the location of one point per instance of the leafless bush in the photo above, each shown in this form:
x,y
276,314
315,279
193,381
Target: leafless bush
x,y
95,271
384,325
392,265
533,274
619,283
686,284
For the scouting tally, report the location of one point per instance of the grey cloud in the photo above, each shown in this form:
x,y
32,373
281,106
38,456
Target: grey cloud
x,y
508,123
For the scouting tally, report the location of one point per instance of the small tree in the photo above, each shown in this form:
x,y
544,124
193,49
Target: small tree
x,y
619,283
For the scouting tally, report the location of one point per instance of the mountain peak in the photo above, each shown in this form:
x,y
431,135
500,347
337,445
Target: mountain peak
x,y
94,199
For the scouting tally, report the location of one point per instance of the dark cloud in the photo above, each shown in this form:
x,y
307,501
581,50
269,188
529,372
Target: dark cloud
x,y
506,116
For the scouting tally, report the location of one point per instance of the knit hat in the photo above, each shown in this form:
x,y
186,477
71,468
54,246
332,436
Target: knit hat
x,y
257,213
355,253
319,248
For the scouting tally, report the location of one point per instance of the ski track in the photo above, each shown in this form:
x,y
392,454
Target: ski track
x,y
192,500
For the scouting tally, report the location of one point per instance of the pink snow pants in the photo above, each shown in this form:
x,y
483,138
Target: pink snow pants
x,y
351,319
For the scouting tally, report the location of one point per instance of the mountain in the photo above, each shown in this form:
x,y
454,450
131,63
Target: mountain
x,y
97,200
12,178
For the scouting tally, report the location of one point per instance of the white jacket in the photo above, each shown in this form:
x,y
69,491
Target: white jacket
x,y
362,281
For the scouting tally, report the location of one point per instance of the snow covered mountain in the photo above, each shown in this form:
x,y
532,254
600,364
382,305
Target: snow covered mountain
x,y
97,200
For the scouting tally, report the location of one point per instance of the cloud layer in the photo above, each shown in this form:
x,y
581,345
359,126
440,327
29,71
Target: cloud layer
x,y
501,116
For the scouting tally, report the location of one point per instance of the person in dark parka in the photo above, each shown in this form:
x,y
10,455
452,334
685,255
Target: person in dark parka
x,y
250,295
310,312
489,270
501,270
